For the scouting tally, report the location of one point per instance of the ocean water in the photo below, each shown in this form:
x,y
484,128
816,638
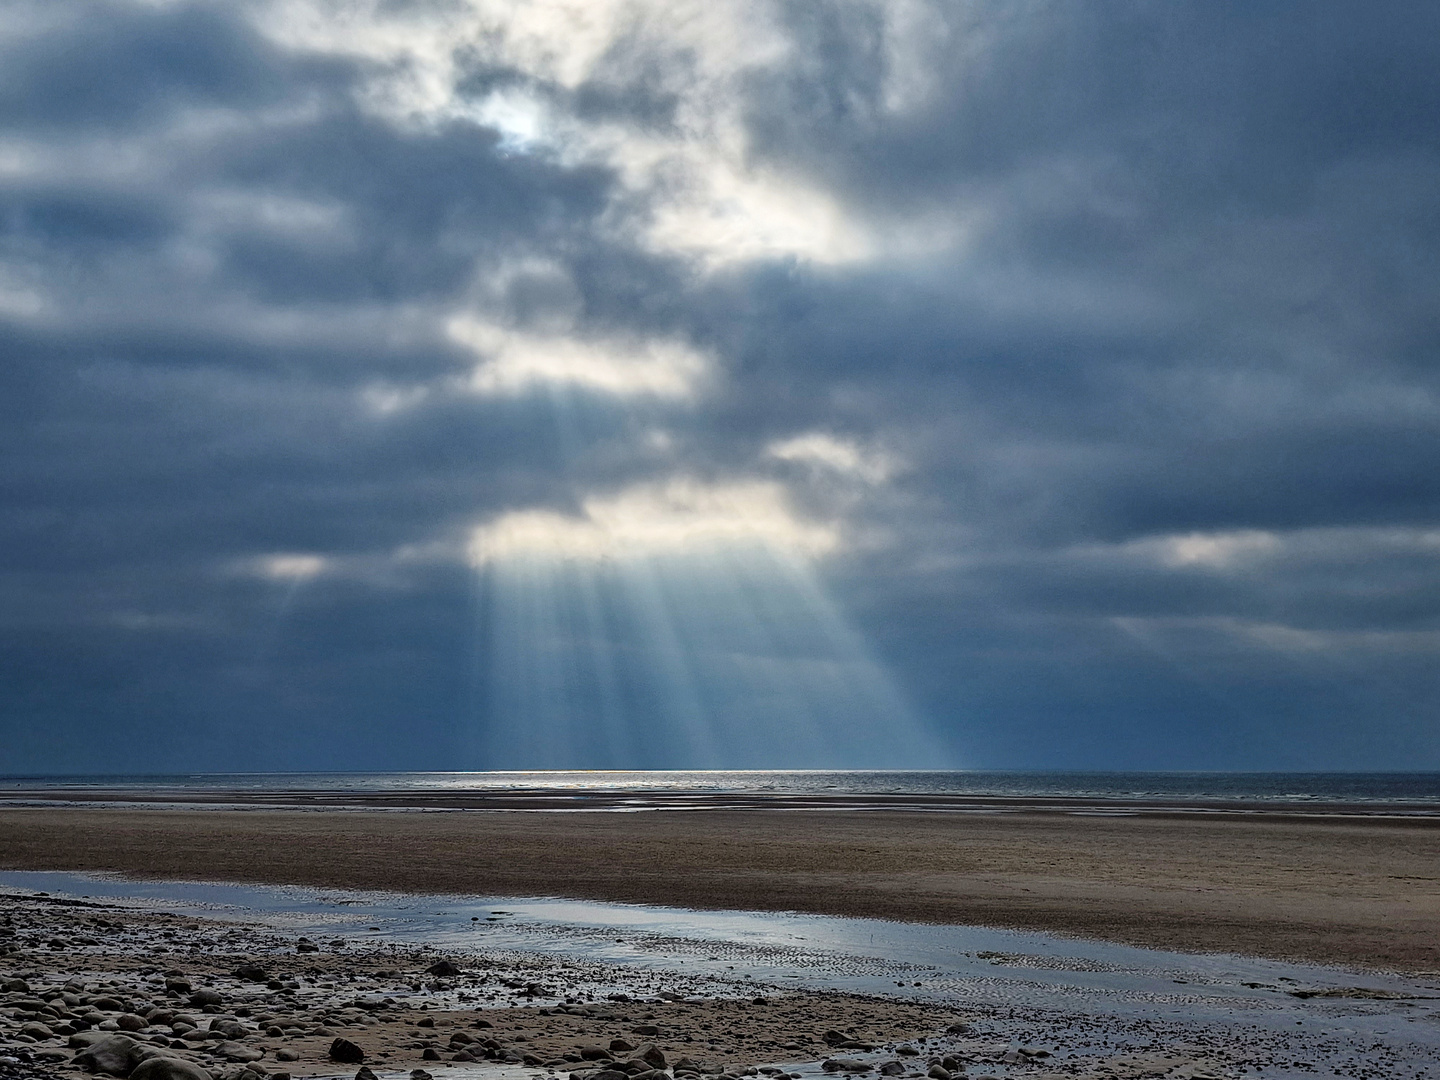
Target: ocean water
x,y
1360,789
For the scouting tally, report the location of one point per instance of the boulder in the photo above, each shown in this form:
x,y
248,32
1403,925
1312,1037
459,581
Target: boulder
x,y
621,1046
938,1072
201,998
364,1073
237,1051
36,1030
117,1055
651,1055
168,1068
251,973
346,1052
131,1022
443,969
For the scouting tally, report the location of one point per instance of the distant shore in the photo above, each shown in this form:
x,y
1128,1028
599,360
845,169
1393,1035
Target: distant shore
x,y
1357,890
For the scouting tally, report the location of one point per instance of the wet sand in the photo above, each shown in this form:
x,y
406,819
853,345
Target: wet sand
x,y
1358,891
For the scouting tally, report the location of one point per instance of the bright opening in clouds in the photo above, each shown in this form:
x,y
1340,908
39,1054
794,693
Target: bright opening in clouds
x,y
464,383
677,518
514,362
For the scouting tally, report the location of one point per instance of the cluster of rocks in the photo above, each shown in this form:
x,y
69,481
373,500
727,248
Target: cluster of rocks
x,y
103,1027
252,1004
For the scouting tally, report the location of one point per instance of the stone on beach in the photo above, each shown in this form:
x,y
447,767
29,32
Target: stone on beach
x,y
162,1067
117,1055
346,1052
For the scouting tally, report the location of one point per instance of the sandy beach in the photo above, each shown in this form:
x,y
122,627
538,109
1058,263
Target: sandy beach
x,y
1363,892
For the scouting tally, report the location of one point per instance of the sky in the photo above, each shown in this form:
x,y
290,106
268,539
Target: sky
x,y
453,384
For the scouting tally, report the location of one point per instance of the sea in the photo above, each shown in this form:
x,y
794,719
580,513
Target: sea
x,y
1417,792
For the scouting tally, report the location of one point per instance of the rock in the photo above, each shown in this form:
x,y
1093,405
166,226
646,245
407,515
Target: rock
x,y
951,1063
364,1073
617,1046
15,986
81,1039
177,985
938,1072
36,1030
906,1050
251,973
849,1065
609,1074
429,1054
531,1061
594,1053
231,1029
443,969
107,1004
346,1052
425,1021
651,1055
168,1068
131,1022
287,1055
959,1029
236,1051
201,998
461,1038
892,1068
420,1074
649,1030
117,1055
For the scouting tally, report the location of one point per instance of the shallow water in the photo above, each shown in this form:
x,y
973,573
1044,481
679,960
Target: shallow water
x,y
1036,987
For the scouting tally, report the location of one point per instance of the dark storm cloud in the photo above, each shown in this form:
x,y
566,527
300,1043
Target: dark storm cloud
x,y
1169,273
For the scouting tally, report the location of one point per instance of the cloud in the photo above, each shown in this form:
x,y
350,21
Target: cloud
x,y
515,361
1081,348
676,519
817,448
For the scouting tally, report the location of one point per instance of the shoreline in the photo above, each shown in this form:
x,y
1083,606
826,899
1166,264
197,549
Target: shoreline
x,y
1356,893
626,800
